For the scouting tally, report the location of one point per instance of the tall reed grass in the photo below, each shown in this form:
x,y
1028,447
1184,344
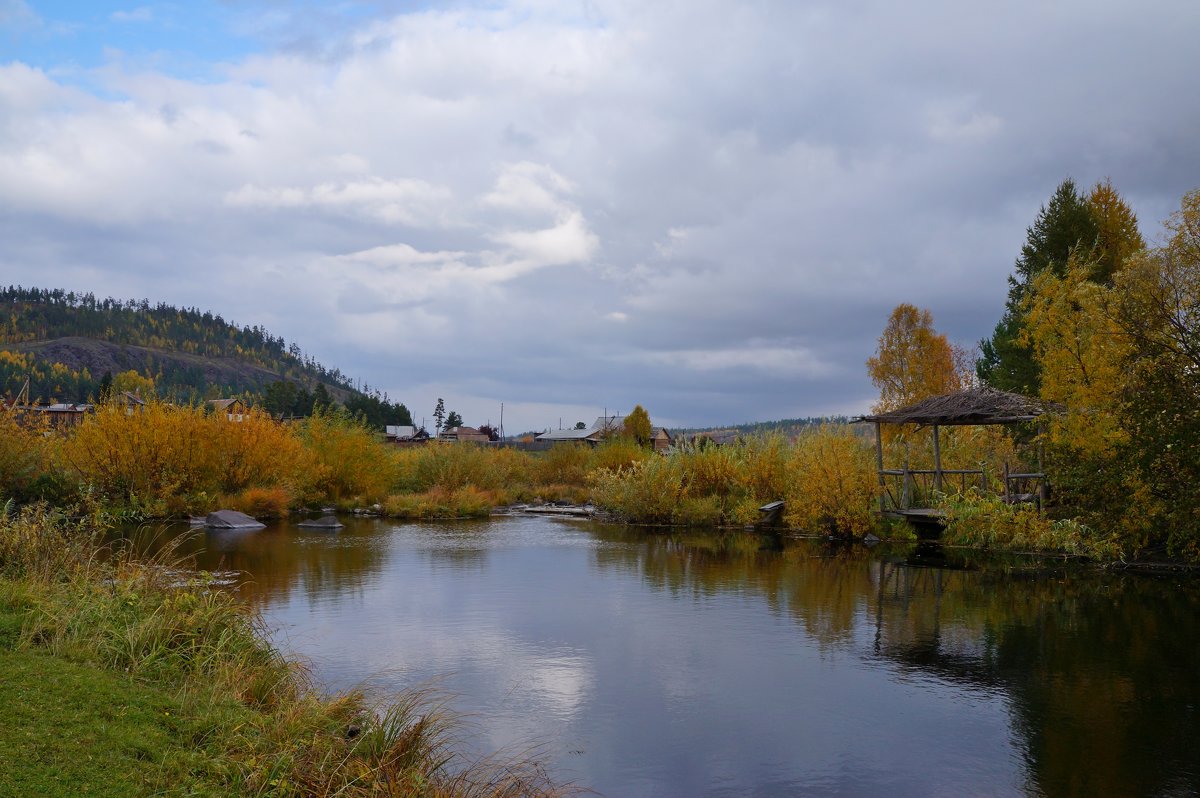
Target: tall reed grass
x,y
987,522
827,478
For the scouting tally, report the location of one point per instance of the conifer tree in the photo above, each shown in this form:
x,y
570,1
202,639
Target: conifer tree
x,y
439,415
1064,224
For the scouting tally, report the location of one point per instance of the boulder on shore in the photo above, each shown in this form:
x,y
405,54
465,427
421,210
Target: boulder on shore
x,y
231,519
325,522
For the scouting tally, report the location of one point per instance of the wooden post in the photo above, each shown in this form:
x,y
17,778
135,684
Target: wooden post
x,y
904,496
879,463
937,460
1042,482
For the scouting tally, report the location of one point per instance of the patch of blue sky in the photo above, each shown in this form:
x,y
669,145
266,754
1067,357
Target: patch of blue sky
x,y
71,39
189,40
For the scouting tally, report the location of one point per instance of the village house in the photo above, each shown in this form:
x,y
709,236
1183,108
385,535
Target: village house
x,y
463,435
234,409
133,402
405,435
59,414
603,427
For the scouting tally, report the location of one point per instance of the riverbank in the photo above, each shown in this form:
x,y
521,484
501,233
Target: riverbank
x,y
126,677
175,462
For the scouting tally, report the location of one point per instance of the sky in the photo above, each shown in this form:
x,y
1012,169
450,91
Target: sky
x,y
706,208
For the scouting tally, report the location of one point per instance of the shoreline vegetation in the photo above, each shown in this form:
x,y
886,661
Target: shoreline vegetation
x,y
172,461
122,678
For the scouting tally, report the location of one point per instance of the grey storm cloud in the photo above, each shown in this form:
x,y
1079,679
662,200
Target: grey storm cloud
x,y
707,208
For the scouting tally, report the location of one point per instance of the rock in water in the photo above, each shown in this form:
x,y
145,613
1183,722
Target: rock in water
x,y
231,519
325,522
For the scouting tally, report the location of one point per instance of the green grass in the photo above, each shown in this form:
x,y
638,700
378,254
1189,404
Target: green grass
x,y
72,730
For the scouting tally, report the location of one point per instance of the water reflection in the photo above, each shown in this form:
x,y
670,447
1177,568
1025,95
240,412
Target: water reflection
x,y
1099,670
706,665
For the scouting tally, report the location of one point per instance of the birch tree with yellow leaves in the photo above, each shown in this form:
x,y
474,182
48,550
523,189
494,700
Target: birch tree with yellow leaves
x,y
1124,359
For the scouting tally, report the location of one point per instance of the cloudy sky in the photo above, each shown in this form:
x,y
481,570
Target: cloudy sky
x,y
706,208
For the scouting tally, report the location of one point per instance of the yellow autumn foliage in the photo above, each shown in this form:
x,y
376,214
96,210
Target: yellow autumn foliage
x,y
826,477
165,459
23,455
347,460
832,485
1083,354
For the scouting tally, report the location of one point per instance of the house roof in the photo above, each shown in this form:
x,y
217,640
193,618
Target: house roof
x,y
221,404
568,435
971,406
66,407
609,423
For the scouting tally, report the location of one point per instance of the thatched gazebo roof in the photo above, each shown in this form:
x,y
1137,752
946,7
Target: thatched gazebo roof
x,y
970,406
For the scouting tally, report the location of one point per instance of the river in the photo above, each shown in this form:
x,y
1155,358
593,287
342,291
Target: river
x,y
691,665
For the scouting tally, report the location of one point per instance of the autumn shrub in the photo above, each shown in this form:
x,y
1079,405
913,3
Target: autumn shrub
x,y
261,502
711,470
451,466
832,485
349,462
764,466
564,464
25,466
166,459
512,469
987,522
438,502
700,511
553,492
617,453
648,491
42,543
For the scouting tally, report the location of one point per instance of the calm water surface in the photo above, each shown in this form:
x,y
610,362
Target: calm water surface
x,y
699,665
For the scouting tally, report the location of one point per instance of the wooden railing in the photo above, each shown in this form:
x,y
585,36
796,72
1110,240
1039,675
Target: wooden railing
x,y
907,488
902,485
1020,488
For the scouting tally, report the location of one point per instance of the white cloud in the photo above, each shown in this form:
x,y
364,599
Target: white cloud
x,y
139,14
529,187
568,241
16,14
791,360
405,202
751,187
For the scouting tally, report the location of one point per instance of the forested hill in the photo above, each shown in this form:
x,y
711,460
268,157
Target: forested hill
x,y
789,427
68,344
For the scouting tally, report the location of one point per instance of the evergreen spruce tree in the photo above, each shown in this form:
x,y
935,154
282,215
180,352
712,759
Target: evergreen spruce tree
x,y
1065,223
439,415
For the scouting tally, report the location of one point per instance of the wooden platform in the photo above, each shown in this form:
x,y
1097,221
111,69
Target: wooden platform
x,y
922,516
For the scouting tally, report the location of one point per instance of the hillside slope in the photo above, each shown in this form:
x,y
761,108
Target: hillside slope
x,y
69,346
79,353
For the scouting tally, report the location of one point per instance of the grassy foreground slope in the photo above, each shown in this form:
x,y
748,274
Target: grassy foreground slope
x,y
73,730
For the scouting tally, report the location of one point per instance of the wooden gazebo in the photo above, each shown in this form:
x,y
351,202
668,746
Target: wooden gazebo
x,y
970,407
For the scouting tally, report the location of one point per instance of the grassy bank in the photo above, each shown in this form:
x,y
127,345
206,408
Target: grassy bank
x,y
120,680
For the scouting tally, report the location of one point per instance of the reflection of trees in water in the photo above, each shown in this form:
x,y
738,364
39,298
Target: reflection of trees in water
x,y
275,560
459,546
1101,671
